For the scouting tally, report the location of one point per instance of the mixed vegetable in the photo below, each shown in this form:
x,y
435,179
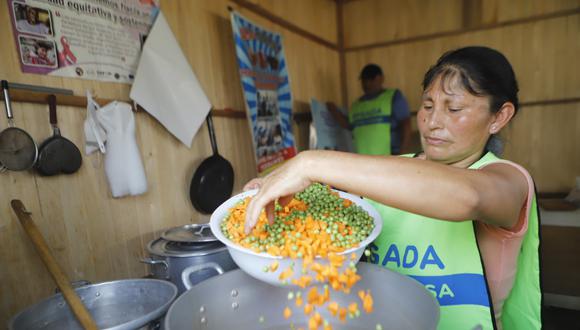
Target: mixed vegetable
x,y
316,222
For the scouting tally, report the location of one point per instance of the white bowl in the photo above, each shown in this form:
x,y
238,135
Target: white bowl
x,y
254,263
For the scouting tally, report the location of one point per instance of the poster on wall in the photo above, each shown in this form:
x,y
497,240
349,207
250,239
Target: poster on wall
x,y
88,39
266,87
327,134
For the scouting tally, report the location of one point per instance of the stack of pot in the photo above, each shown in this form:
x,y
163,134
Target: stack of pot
x,y
187,255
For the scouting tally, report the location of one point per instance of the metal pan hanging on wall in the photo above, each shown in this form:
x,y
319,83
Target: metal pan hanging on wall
x,y
57,154
213,181
18,151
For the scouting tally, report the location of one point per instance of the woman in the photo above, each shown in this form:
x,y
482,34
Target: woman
x,y
456,217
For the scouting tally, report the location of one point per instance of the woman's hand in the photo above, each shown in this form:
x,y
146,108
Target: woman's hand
x,y
281,185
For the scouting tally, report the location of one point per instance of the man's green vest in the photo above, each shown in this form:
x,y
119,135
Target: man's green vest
x,y
371,124
444,257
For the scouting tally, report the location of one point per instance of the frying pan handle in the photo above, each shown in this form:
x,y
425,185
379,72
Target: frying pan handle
x,y
6,99
209,122
196,268
52,109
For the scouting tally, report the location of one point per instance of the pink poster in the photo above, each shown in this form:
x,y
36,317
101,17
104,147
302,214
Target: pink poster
x,y
98,39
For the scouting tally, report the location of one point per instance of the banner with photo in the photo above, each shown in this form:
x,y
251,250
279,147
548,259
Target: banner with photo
x,y
266,87
89,39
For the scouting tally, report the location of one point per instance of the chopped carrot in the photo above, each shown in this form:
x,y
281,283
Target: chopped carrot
x,y
312,295
353,307
287,313
333,308
274,266
342,314
298,301
318,318
308,308
303,281
312,324
288,272
367,300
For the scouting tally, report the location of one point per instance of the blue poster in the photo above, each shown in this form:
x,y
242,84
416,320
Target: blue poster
x,y
266,87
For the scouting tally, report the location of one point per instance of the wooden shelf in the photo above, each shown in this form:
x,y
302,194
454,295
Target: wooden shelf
x,y
81,102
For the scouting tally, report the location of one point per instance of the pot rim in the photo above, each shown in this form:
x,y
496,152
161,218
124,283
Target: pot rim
x,y
136,323
182,254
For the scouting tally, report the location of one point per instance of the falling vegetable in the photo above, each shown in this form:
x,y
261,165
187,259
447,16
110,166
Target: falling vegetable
x,y
315,223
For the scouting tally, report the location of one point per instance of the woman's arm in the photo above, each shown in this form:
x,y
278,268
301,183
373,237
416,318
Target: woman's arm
x,y
493,195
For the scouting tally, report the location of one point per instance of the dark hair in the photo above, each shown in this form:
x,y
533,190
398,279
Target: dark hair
x,y
41,44
482,72
370,71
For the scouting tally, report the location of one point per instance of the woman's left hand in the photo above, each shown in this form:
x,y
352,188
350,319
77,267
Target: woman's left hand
x,y
279,185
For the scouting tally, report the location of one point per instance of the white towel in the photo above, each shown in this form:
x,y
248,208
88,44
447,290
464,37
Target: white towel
x,y
123,165
166,87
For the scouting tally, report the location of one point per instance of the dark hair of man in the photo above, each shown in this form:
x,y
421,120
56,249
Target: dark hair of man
x,y
370,72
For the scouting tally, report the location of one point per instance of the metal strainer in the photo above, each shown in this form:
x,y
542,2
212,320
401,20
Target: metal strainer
x,y
18,151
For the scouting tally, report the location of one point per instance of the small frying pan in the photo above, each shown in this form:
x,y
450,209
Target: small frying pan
x,y
18,151
57,154
213,181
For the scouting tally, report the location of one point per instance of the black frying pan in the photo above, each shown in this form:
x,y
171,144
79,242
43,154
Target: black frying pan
x,y
57,154
213,181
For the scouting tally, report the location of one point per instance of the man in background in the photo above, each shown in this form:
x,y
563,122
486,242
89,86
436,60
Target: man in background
x,y
379,119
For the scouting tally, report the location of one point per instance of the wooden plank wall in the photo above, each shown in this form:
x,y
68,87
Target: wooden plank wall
x,y
98,238
540,38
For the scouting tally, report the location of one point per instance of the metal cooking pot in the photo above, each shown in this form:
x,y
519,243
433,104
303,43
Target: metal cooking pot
x,y
238,301
116,305
187,255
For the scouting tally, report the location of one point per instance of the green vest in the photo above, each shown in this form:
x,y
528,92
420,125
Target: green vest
x,y
444,257
371,124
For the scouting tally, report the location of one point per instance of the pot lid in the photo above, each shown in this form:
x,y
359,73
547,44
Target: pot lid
x,y
166,248
192,233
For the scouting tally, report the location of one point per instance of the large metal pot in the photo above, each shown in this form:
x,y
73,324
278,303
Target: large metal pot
x,y
117,305
238,301
187,255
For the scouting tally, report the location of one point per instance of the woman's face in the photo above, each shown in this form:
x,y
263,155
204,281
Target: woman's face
x,y
454,124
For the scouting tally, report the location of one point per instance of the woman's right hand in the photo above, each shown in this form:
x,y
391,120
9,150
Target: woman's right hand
x,y
281,185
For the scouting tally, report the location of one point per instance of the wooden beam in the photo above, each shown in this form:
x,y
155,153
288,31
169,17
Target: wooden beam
x,y
443,34
550,102
24,96
260,11
341,53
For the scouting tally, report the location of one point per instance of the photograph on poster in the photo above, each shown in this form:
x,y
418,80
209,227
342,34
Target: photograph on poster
x,y
33,20
269,137
267,103
37,52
